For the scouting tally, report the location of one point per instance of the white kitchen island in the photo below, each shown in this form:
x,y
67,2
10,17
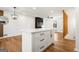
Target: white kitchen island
x,y
36,40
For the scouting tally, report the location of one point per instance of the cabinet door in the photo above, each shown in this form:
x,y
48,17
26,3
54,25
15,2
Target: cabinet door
x,y
13,44
35,45
2,43
17,43
8,44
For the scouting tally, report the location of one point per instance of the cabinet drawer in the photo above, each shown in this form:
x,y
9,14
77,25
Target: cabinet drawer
x,y
38,44
43,46
40,40
38,34
42,35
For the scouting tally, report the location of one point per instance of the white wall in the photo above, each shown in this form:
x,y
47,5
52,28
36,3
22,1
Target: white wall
x,y
48,23
59,20
23,22
77,29
71,24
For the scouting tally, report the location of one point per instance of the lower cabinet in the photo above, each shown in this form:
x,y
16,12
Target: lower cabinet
x,y
12,44
41,40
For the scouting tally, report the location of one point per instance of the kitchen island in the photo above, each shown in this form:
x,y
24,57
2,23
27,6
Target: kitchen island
x,y
11,43
34,40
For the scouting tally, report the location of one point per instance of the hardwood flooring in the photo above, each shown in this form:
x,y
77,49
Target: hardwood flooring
x,y
61,45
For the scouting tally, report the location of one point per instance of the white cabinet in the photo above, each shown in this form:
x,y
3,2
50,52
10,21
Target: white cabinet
x,y
41,40
36,40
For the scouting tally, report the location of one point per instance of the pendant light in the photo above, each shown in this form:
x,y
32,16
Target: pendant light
x,y
14,16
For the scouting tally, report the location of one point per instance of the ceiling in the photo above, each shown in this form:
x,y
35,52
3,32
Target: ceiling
x,y
36,11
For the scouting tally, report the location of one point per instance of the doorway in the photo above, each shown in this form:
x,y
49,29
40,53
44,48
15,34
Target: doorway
x,y
65,23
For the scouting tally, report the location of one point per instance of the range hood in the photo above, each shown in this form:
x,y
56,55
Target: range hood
x,y
3,20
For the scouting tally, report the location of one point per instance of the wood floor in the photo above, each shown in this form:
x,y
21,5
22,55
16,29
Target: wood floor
x,y
61,45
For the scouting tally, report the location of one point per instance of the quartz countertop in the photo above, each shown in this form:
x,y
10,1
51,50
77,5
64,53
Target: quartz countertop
x,y
25,31
34,30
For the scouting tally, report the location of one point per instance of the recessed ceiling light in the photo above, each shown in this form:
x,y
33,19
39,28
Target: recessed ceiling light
x,y
34,8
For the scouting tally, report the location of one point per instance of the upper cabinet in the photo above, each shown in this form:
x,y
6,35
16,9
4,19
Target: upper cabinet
x,y
1,13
